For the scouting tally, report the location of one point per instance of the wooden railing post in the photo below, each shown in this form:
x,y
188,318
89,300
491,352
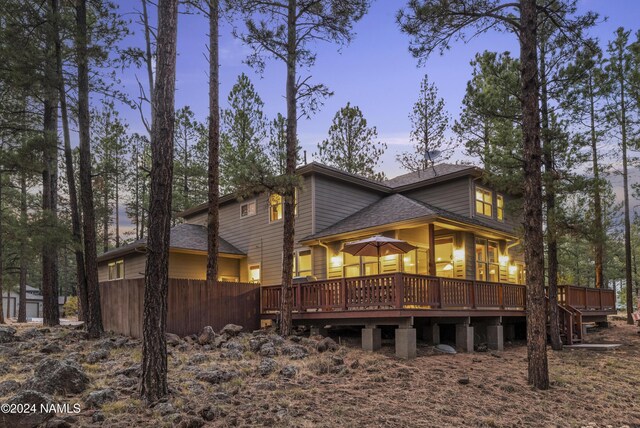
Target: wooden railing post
x,y
399,288
343,292
473,291
439,297
298,297
501,295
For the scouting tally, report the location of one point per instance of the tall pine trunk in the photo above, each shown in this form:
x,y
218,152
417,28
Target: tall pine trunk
x,y
213,217
550,196
76,227
286,305
1,248
50,312
532,195
22,308
117,197
93,320
597,198
154,346
105,214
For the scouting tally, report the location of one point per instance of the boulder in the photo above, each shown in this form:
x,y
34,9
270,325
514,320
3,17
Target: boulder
x,y
51,348
288,372
131,371
8,386
58,377
98,398
190,422
255,343
105,344
7,334
99,355
326,344
210,413
231,330
267,366
197,359
164,408
173,339
216,376
295,352
207,336
57,423
27,419
97,417
268,350
445,349
31,333
8,351
337,360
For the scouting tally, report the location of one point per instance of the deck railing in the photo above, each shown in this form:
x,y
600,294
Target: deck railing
x,y
397,291
587,299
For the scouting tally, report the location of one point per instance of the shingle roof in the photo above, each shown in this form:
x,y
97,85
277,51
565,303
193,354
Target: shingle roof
x,y
183,236
393,209
430,173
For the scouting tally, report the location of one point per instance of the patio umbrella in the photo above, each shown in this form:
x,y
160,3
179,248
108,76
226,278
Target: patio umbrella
x,y
377,246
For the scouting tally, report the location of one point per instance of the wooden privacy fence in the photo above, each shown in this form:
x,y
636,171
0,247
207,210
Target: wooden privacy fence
x,y
192,304
397,291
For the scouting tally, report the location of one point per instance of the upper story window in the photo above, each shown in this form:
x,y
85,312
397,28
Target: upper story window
x,y
500,207
248,209
276,207
116,270
484,201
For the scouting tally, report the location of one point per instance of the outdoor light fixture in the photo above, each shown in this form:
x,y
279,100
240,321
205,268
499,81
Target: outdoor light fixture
x,y
503,260
458,254
336,261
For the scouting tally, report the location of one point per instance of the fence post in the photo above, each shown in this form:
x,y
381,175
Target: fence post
x,y
399,287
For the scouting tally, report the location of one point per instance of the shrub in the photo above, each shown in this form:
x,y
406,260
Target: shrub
x,y
71,307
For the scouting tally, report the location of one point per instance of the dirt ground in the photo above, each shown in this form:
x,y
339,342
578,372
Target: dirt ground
x,y
349,387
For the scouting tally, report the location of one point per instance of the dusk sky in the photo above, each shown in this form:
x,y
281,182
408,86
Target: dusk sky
x,y
375,72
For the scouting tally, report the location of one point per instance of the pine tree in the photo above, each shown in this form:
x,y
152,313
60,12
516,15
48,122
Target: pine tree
x,y
429,124
351,145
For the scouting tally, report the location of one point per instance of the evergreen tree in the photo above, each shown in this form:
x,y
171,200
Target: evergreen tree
x,y
429,123
351,145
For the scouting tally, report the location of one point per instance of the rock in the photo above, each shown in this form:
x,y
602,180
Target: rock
x,y
190,422
97,417
295,339
216,376
276,339
337,360
173,339
51,348
27,419
220,340
8,386
8,351
232,354
268,350
96,356
121,342
58,377
125,383
464,380
326,344
105,344
255,343
445,349
288,372
207,336
131,371
482,347
354,365
496,355
266,386
210,413
98,398
295,352
231,330
164,408
57,423
267,366
197,359
31,333
7,334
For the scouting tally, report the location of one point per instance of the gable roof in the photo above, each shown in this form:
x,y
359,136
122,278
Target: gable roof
x,y
433,173
394,209
184,236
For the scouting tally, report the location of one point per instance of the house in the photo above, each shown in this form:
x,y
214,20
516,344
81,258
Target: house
x,y
11,303
467,263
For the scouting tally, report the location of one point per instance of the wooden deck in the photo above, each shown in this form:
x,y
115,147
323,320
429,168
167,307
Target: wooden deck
x,y
408,295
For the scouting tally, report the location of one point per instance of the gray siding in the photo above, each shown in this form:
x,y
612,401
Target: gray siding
x,y
336,200
511,220
454,195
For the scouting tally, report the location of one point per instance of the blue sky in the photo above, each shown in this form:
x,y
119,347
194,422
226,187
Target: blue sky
x,y
375,72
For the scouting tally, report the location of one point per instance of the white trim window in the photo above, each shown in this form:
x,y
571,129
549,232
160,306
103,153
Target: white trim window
x,y
276,207
248,209
116,270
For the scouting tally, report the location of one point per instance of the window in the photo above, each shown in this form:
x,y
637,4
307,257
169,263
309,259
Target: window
x,y
500,207
484,201
444,257
254,273
116,270
248,209
302,263
416,261
487,261
276,207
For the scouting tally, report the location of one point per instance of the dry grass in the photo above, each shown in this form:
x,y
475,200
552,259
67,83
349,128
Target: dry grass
x,y
588,388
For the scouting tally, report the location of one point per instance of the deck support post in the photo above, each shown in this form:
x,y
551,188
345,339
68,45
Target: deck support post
x,y
495,337
431,333
464,337
371,338
406,343
318,331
